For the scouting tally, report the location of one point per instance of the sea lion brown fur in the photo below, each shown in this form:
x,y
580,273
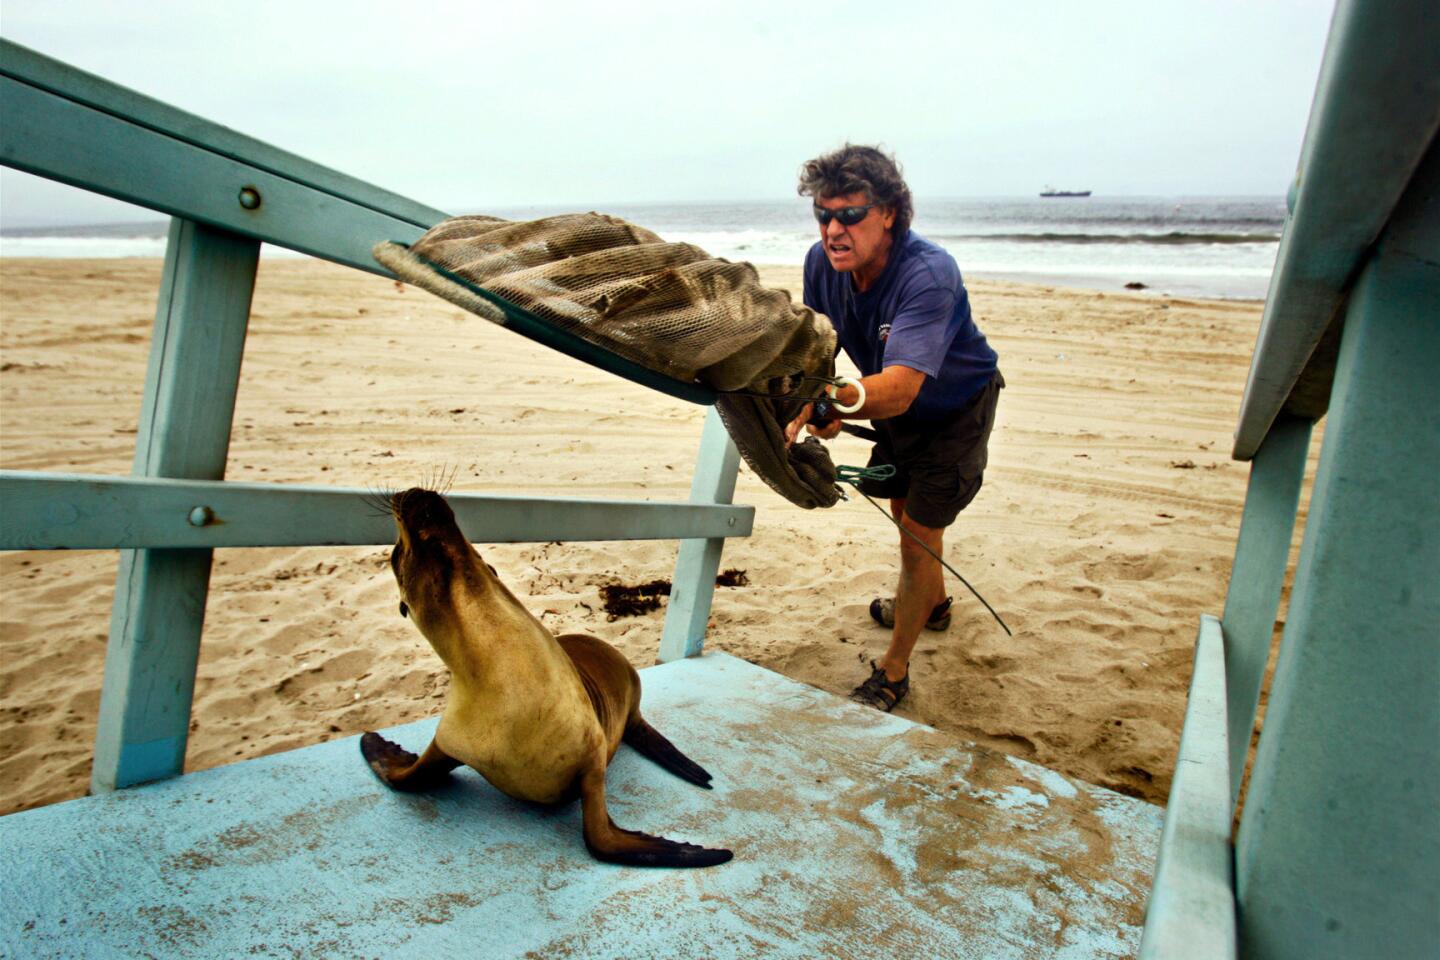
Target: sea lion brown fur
x,y
539,716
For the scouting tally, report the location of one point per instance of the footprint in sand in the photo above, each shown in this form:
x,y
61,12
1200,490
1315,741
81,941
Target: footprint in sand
x,y
330,681
1116,633
1130,567
998,663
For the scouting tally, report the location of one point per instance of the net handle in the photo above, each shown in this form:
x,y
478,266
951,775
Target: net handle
x,y
860,388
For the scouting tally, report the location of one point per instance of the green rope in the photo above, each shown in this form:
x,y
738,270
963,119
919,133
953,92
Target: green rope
x,y
854,476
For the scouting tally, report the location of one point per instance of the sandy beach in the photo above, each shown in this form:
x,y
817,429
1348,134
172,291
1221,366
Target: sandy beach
x,y
1105,528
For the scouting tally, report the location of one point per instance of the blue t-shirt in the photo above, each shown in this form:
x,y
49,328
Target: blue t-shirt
x,y
917,314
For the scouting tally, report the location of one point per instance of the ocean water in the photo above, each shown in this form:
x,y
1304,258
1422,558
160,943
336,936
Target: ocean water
x,y
1187,246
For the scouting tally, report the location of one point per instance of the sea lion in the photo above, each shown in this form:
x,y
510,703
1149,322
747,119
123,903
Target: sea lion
x,y
537,715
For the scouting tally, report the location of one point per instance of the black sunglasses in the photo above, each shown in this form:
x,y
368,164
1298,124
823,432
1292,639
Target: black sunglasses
x,y
848,216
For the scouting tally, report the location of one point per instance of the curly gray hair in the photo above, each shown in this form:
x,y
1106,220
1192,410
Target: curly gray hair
x,y
860,169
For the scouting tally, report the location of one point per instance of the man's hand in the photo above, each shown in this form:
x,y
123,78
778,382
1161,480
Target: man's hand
x,y
792,429
828,430
888,393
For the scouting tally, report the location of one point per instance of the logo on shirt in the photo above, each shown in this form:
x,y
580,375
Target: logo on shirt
x,y
884,332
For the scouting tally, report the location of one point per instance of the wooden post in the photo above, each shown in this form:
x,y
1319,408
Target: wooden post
x,y
693,585
200,326
1339,843
1258,575
1191,913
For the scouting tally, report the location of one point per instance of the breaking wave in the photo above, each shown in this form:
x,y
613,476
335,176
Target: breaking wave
x,y
1174,238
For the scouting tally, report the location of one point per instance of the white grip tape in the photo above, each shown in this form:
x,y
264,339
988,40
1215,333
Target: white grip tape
x,y
859,402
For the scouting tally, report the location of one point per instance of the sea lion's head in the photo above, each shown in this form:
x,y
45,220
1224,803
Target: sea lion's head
x,y
441,576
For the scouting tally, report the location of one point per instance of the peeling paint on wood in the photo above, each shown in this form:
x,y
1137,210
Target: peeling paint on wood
x,y
855,833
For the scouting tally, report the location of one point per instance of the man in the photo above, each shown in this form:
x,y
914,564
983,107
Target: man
x,y
931,380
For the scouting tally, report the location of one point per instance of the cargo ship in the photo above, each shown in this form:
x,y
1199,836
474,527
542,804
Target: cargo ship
x,y
1052,192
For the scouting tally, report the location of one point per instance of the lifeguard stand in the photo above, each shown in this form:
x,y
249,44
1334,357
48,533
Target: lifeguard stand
x,y
1337,853
855,832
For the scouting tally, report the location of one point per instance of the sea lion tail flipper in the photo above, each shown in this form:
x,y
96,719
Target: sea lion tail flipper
x,y
610,843
401,769
651,743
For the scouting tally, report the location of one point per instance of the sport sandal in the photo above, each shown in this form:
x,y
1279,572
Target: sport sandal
x,y
882,609
879,692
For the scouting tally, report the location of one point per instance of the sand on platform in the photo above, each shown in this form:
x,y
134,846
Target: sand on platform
x,y
1105,527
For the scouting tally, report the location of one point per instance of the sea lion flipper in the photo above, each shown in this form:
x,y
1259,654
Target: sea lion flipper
x,y
401,769
610,843
652,743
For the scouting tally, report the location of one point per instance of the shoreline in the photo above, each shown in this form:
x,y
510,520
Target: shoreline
x,y
1054,281
1105,528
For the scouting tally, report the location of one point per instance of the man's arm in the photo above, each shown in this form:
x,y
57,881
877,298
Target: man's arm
x,y
888,393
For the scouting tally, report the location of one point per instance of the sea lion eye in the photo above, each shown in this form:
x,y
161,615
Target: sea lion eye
x,y
404,610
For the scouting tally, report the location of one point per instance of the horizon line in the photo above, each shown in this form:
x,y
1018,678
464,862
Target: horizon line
x,y
152,218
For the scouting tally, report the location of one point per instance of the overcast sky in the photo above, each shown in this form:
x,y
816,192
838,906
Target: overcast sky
x,y
473,105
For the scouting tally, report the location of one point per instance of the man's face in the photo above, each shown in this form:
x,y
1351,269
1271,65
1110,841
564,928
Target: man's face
x,y
862,247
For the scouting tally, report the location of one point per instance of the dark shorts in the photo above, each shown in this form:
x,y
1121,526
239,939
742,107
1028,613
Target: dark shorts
x,y
939,466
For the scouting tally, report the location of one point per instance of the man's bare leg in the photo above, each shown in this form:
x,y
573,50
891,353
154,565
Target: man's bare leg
x,y
921,589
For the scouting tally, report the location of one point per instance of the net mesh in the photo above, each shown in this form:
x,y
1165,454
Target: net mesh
x,y
668,307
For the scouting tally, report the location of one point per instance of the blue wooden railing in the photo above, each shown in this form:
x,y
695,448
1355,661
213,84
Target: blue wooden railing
x,y
1337,850
228,193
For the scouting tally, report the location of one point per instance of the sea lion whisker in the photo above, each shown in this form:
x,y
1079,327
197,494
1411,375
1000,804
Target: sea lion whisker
x,y
446,481
380,500
439,478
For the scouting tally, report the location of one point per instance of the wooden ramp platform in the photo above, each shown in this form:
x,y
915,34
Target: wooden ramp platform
x,y
856,834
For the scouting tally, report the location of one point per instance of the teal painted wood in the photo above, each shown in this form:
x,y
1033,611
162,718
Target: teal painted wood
x,y
1191,913
55,77
189,402
1340,837
1376,110
856,834
150,659
693,585
48,511
53,137
1252,602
